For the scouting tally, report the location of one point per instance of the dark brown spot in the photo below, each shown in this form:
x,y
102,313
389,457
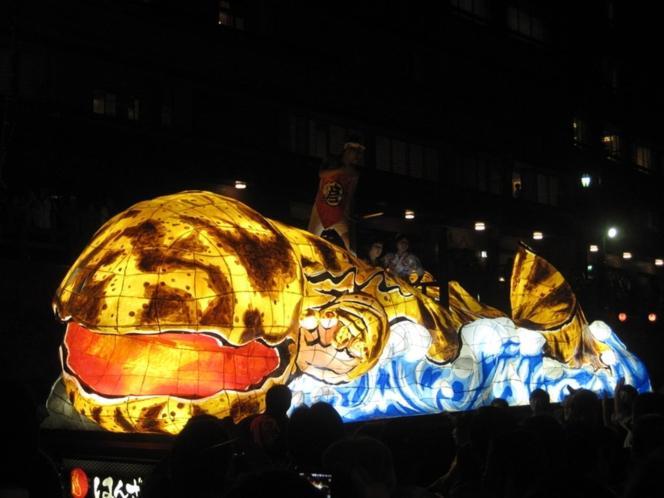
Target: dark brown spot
x,y
241,409
120,419
541,270
168,304
150,260
78,283
268,260
96,414
110,257
86,304
307,262
180,406
253,325
327,253
131,313
189,243
149,233
153,411
219,312
197,410
130,213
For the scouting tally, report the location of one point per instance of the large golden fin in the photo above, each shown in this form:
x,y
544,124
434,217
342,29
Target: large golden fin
x,y
542,300
465,308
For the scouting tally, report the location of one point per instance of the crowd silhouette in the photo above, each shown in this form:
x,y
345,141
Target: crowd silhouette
x,y
584,447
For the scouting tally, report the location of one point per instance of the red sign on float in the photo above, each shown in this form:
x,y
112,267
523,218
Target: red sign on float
x,y
79,483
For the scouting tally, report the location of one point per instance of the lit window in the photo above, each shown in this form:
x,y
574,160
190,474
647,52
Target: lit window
x,y
643,157
133,110
611,143
103,103
98,102
516,185
580,131
476,8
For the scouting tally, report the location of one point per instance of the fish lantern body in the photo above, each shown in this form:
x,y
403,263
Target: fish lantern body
x,y
181,305
194,303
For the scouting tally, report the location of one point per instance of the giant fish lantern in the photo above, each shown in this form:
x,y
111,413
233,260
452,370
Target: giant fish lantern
x,y
194,303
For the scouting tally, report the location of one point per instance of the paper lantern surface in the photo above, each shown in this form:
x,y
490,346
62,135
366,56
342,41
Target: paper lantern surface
x,y
194,303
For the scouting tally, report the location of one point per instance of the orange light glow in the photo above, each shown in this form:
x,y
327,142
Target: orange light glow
x,y
652,317
622,317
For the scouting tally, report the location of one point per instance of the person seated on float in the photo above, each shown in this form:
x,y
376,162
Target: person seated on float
x,y
403,263
375,253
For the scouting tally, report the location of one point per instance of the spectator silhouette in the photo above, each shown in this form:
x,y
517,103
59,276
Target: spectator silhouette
x,y
540,403
500,403
311,430
269,430
198,463
277,403
361,467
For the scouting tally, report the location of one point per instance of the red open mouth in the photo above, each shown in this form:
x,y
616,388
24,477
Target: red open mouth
x,y
187,365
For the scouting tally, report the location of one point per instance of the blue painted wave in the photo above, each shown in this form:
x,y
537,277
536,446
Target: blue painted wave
x,y
497,360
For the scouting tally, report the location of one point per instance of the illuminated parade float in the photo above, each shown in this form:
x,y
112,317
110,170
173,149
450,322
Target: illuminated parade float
x,y
194,303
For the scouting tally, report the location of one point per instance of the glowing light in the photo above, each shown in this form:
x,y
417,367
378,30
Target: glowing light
x,y
659,262
652,317
593,248
373,215
612,232
586,180
501,279
480,226
589,267
409,214
627,255
538,235
240,185
622,316
484,254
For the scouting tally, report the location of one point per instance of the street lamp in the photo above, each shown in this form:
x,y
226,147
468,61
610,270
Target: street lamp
x,y
612,232
586,180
